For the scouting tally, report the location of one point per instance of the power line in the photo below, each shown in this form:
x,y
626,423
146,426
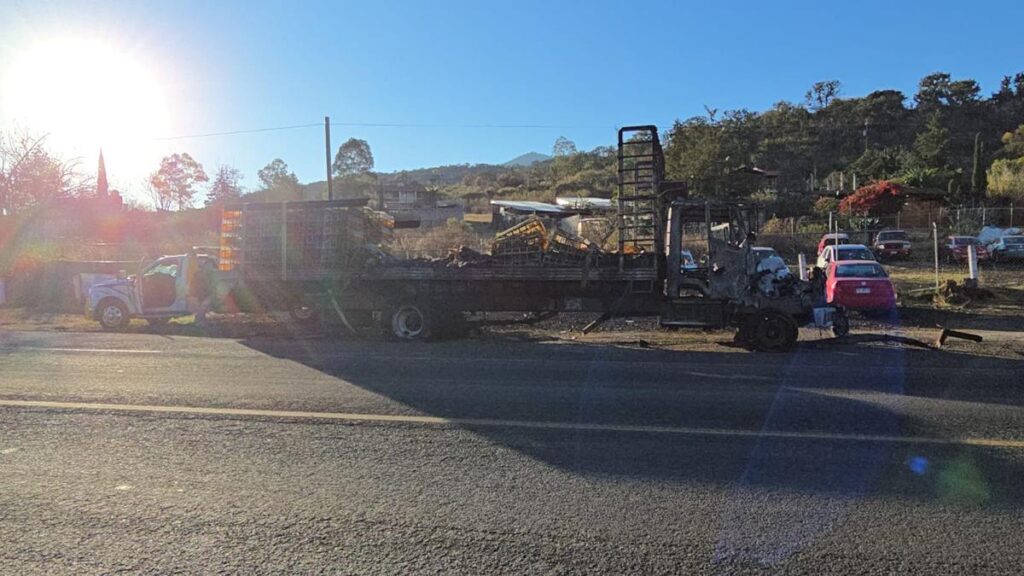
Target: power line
x,y
235,132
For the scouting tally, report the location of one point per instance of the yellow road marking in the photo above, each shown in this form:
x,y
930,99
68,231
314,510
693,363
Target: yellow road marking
x,y
81,350
494,423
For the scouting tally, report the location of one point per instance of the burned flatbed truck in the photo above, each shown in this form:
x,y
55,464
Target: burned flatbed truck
x,y
326,254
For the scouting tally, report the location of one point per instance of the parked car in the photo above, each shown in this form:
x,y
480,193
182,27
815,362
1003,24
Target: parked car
x,y
762,252
892,244
831,239
1007,248
859,285
687,263
955,249
844,252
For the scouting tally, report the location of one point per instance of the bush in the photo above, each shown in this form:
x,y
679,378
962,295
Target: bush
x,y
878,199
824,205
1006,179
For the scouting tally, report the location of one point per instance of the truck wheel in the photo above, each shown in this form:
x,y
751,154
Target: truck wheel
x,y
113,315
774,332
409,322
303,314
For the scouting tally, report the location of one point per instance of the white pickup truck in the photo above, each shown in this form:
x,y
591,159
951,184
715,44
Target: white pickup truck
x,y
157,293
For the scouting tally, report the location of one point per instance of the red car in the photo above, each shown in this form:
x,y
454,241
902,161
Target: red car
x,y
860,285
955,249
833,238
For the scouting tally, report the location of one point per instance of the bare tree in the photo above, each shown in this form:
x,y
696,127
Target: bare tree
x,y
31,175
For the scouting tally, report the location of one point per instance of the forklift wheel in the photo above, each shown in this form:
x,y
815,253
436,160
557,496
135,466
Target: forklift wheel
x,y
773,331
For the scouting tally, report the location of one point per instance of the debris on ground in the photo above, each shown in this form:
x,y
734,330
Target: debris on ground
x,y
961,294
947,333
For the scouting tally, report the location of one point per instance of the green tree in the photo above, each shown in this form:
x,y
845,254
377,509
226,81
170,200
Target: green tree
x,y
563,147
821,94
353,157
880,164
978,168
931,148
933,92
225,186
278,182
174,183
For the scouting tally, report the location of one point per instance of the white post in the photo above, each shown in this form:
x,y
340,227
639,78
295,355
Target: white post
x,y
935,240
801,262
972,262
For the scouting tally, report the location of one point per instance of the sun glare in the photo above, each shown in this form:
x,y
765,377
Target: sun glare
x,y
88,94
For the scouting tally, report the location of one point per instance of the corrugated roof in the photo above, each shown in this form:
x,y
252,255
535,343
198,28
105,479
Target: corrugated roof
x,y
584,203
529,206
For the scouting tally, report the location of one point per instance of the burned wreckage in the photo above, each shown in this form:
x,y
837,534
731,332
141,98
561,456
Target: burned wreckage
x,y
327,255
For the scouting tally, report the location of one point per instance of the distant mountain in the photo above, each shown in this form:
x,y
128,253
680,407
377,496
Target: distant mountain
x,y
528,159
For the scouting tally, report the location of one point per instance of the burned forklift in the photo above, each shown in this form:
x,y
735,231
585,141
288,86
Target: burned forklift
x,y
728,288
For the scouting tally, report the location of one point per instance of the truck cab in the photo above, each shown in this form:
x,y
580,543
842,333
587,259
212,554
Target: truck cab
x,y
157,293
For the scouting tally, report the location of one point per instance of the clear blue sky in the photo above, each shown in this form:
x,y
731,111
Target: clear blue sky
x,y
583,67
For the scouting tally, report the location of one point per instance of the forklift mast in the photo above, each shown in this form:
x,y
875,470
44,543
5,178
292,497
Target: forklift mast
x,y
641,171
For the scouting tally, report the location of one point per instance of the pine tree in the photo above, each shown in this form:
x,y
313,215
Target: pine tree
x,y
978,174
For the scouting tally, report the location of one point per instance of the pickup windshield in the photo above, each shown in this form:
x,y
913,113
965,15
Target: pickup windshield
x,y
890,236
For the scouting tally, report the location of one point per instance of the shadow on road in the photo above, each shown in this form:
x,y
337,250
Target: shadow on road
x,y
720,391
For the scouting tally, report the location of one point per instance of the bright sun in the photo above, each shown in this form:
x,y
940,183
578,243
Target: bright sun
x,y
88,94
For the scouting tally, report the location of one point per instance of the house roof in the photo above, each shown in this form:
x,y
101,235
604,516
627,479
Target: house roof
x,y
529,206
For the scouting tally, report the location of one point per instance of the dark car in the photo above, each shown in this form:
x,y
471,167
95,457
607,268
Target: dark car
x,y
891,244
1007,248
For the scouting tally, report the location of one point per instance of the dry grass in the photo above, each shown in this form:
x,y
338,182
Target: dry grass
x,y
484,218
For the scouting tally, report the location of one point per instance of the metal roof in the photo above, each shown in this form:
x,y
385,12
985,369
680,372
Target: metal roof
x,y
529,206
584,203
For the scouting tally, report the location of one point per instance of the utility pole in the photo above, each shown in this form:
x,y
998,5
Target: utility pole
x,y
327,148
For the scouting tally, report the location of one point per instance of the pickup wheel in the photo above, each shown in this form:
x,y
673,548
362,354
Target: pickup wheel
x,y
772,331
409,322
112,314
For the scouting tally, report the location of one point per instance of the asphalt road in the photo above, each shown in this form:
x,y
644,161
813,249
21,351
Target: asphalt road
x,y
144,453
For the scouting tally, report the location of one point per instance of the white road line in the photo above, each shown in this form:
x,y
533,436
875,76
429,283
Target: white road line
x,y
531,424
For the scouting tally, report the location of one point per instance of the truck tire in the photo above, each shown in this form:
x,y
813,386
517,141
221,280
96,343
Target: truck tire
x,y
307,315
412,321
773,331
112,314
